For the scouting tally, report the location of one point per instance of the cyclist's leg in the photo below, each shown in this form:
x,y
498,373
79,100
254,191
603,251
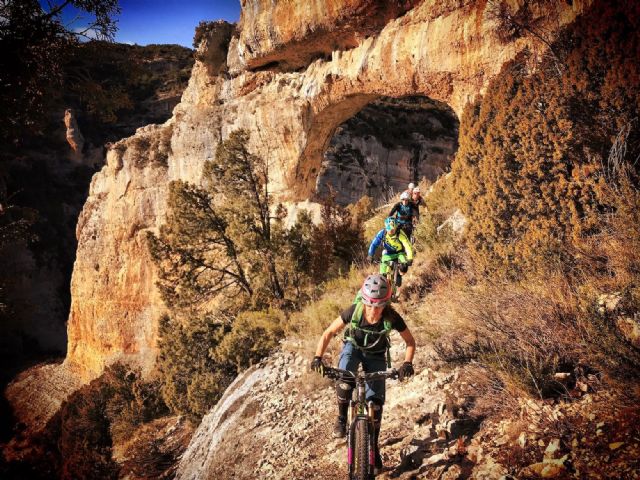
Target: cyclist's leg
x,y
407,228
402,267
350,358
384,262
375,362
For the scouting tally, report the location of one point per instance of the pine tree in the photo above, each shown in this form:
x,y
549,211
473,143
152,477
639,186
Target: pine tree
x,y
241,181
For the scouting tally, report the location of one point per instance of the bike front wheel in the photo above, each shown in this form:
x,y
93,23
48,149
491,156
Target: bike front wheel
x,y
397,280
361,460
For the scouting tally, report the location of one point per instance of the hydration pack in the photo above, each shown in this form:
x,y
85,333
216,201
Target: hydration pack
x,y
364,338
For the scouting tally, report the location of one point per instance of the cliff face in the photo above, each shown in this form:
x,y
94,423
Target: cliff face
x,y
117,256
386,145
444,50
109,91
290,35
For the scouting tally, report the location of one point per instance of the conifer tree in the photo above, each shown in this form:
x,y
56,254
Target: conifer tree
x,y
196,256
241,181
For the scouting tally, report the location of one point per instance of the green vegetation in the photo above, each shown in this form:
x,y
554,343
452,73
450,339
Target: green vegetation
x,y
535,166
230,272
191,382
253,336
547,176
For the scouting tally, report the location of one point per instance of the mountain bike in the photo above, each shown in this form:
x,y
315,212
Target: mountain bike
x,y
360,438
393,274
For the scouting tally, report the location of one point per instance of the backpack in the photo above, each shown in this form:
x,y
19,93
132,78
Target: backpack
x,y
354,326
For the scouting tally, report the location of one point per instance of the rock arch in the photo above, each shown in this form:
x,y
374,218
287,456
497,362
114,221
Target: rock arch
x,y
386,145
445,52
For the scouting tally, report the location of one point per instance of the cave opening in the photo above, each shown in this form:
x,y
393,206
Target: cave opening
x,y
387,144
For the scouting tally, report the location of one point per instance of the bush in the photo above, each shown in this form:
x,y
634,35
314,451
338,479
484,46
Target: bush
x,y
530,172
192,382
339,238
133,401
254,335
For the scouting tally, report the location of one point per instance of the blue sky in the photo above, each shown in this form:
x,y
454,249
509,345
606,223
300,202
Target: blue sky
x,y
162,21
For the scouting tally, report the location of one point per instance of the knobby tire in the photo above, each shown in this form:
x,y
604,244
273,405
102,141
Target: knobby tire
x,y
396,276
361,454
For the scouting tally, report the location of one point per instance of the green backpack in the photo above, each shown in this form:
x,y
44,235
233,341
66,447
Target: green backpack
x,y
378,336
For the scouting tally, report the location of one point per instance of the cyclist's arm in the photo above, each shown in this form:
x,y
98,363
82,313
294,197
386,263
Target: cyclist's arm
x,y
332,330
411,344
395,208
375,243
416,213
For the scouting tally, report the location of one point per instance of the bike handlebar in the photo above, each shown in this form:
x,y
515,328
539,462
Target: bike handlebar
x,y
339,374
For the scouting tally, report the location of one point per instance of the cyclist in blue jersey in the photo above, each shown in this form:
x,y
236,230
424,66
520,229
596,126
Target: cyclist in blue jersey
x,y
395,246
405,213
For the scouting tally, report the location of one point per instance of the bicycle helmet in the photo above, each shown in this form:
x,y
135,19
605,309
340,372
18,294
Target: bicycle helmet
x,y
415,190
390,224
411,186
404,196
375,291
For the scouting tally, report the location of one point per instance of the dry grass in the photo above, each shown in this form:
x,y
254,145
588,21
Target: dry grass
x,y
305,327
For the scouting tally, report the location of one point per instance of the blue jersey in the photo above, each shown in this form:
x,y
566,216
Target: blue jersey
x,y
403,213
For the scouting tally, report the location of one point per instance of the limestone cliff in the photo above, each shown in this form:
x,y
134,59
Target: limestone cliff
x,y
386,145
117,256
289,35
444,50
109,91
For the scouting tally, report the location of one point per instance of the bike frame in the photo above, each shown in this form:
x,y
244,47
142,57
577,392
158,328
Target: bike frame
x,y
359,410
392,273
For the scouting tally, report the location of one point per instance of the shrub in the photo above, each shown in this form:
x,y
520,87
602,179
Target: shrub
x,y
191,381
339,238
529,172
133,401
254,335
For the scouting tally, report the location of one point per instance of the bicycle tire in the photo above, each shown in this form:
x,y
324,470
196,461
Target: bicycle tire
x,y
396,276
390,272
361,454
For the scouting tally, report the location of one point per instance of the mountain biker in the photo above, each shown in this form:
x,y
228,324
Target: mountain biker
x,y
395,246
370,320
410,188
405,213
417,201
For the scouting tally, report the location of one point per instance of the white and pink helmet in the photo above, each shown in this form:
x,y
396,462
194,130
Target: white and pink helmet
x,y
375,291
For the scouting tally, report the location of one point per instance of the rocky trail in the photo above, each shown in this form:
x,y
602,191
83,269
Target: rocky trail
x,y
275,421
